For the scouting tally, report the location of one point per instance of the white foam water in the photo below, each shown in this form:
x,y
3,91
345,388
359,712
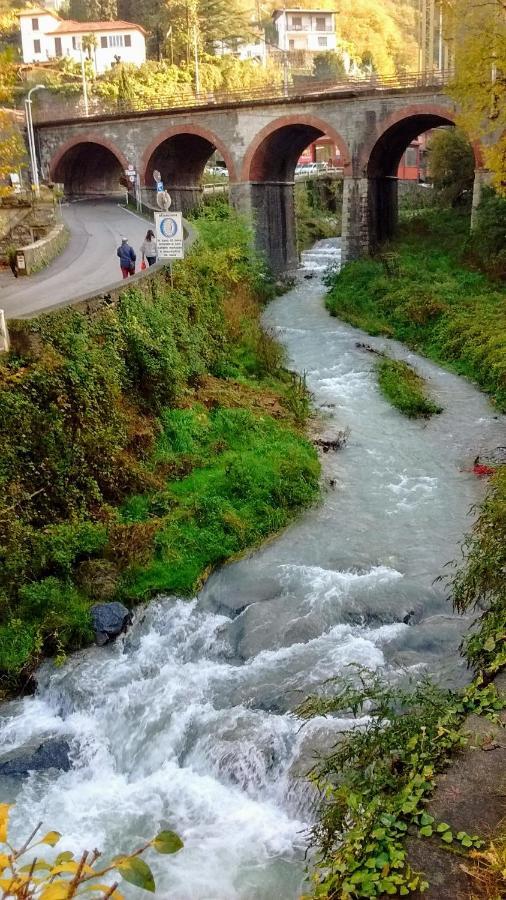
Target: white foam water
x,y
187,722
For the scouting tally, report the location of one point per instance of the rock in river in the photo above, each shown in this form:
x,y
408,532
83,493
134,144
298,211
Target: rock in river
x,y
109,620
53,754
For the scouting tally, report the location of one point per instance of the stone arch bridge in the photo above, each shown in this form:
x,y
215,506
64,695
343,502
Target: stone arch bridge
x,y
260,142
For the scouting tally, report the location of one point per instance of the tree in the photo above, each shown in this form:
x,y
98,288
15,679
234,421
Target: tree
x,y
12,148
478,31
328,65
451,164
93,10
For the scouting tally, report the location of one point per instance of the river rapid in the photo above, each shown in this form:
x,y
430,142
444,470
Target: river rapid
x,y
186,722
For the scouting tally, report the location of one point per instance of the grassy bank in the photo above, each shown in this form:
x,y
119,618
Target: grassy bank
x,y
431,300
142,445
405,389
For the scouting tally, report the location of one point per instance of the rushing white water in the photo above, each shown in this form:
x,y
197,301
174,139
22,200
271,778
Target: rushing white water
x,y
186,722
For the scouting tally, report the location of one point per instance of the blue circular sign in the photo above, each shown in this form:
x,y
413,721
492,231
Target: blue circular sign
x,y
168,227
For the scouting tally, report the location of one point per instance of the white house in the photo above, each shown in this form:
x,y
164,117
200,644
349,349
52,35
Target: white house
x,y
44,35
305,29
243,51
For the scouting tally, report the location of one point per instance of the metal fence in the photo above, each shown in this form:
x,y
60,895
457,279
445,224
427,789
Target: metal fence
x,y
354,86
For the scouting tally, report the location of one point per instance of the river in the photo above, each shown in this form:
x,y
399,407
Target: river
x,y
185,723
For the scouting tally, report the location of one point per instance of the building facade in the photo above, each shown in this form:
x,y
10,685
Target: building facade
x,y
305,29
44,36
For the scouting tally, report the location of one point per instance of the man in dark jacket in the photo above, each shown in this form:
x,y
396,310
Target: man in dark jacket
x,y
127,258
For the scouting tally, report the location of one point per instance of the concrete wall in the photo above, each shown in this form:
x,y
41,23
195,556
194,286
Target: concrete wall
x,y
38,255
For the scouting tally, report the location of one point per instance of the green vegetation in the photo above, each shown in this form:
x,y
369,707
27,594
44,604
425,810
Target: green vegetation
x,y
26,875
376,781
451,165
318,204
141,445
405,389
480,583
431,301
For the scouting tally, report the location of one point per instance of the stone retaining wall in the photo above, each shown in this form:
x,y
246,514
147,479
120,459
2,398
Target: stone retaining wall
x,y
38,255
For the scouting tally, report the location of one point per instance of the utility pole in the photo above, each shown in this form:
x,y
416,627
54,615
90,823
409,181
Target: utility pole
x,y
426,15
31,137
196,56
85,86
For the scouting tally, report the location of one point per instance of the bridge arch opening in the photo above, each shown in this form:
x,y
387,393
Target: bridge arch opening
x,y
270,168
180,155
381,165
89,169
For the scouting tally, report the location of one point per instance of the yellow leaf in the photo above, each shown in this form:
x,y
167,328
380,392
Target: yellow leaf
x,y
70,868
59,891
51,838
4,821
4,861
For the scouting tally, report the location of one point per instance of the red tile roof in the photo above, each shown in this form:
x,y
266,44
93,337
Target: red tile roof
x,y
69,27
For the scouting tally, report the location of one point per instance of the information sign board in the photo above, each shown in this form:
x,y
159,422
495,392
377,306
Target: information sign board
x,y
169,235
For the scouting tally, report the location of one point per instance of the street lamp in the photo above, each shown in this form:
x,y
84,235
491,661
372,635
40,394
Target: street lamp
x,y
31,136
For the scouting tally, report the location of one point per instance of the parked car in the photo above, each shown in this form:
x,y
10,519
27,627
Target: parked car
x,y
307,169
217,171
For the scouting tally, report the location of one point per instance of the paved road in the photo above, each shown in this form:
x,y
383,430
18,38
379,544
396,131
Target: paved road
x,y
87,264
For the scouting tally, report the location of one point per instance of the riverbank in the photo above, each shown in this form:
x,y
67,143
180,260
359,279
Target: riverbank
x,y
422,293
391,822
141,446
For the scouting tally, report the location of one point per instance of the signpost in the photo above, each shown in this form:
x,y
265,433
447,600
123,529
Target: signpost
x,y
169,237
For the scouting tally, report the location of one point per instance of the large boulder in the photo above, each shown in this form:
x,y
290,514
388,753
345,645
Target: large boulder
x,y
109,620
53,754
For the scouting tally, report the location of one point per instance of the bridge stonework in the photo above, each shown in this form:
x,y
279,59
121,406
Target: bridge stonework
x,y
260,142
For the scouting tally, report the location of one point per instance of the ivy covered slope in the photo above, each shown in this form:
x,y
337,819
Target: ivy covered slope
x,y
142,445
433,300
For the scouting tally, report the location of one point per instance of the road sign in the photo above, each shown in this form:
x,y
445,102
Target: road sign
x,y
159,187
169,235
131,177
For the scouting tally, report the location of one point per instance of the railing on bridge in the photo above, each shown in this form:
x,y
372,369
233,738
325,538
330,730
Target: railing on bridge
x,y
72,109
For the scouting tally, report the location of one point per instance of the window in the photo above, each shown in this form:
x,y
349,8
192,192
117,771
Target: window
x,y
115,40
320,23
35,24
322,41
103,42
76,43
36,46
57,47
128,40
297,23
291,44
411,156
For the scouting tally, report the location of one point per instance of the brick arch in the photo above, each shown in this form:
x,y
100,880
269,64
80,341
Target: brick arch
x,y
196,131
249,170
422,116
89,137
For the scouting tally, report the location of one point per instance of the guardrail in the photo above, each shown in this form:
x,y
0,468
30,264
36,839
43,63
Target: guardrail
x,y
99,107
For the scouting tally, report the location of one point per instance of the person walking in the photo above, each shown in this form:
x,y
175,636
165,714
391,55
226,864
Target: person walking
x,y
127,258
148,248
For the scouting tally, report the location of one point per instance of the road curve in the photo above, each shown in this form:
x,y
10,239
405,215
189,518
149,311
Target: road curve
x,y
88,263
